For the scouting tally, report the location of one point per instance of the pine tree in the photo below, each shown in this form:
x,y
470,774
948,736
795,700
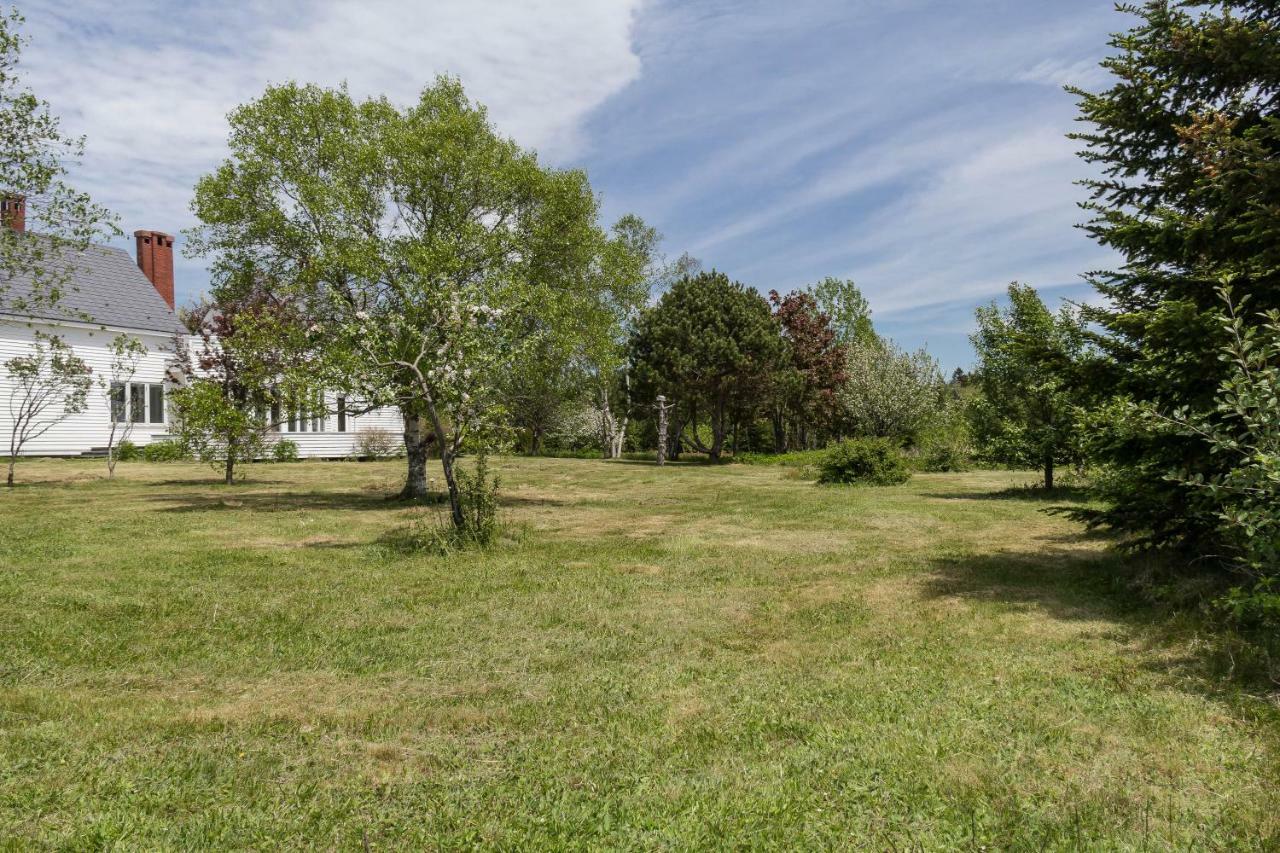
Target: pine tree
x,y
1188,144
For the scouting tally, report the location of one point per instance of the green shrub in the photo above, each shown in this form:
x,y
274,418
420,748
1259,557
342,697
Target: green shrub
x,y
943,459
167,450
284,450
794,459
478,494
864,461
127,451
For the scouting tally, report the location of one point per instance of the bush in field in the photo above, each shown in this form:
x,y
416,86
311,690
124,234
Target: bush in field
x,y
478,497
127,450
1242,500
284,450
164,451
945,444
864,461
375,443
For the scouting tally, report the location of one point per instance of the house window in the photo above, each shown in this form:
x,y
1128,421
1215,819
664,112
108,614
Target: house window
x,y
138,403
118,405
342,413
156,394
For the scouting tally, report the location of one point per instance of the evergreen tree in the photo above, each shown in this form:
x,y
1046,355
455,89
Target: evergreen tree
x,y
709,345
1187,140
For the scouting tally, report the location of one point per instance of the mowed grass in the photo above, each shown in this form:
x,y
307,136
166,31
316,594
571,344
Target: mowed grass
x,y
691,657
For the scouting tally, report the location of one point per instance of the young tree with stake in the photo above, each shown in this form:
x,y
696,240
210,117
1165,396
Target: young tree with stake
x,y
49,385
127,353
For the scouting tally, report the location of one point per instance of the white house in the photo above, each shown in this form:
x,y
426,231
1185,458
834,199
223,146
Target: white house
x,y
109,293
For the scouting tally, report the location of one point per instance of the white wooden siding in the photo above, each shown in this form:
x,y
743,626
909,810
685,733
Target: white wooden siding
x,y
91,428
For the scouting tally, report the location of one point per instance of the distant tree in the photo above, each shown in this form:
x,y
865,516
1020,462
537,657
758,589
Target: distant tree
x,y
632,269
48,385
889,393
810,373
127,353
848,309
36,157
707,343
439,249
1186,185
244,374
1027,357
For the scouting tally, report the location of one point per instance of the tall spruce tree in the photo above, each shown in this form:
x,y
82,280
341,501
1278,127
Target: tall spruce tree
x,y
1188,144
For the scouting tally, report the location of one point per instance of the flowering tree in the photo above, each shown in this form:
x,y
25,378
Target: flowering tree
x,y
49,385
889,393
429,250
127,352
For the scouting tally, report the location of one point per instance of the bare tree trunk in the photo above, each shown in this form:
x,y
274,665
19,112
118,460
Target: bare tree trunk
x,y
229,468
779,432
608,424
13,460
447,459
415,444
1048,470
717,429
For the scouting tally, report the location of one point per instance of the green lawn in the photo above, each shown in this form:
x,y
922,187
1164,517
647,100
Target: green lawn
x,y
684,658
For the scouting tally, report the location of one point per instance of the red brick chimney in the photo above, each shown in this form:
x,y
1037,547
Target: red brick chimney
x,y
13,212
155,258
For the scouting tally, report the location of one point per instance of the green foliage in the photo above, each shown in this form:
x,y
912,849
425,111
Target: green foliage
x,y
1242,497
253,363
889,393
707,345
1185,140
1026,413
127,451
36,160
848,309
864,462
945,443
428,295
478,496
167,450
284,450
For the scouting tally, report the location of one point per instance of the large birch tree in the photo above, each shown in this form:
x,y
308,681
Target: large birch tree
x,y
433,251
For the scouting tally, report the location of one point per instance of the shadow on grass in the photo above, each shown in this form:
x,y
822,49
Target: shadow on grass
x,y
285,501
1178,643
1035,494
232,500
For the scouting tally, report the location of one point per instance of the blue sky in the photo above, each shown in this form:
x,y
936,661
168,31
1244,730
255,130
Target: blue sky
x,y
917,147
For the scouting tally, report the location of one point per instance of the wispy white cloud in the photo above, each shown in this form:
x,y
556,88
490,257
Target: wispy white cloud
x,y
916,146
149,83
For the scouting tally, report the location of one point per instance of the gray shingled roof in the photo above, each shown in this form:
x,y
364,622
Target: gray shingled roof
x,y
106,288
